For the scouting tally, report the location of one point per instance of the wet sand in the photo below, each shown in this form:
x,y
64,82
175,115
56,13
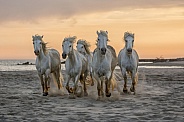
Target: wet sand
x,y
159,97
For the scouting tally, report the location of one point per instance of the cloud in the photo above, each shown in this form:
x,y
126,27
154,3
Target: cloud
x,y
33,10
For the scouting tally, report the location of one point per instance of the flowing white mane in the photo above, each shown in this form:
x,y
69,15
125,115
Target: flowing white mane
x,y
86,45
70,39
44,45
126,34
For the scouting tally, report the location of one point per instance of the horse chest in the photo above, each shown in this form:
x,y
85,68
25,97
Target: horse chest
x,y
129,65
42,67
73,71
129,68
102,69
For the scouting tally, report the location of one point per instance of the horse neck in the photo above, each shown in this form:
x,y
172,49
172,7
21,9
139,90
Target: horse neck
x,y
72,56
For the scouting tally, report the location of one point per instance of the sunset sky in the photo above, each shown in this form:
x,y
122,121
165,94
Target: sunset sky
x,y
158,25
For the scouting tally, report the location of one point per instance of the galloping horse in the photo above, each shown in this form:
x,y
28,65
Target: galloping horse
x,y
47,62
103,63
83,48
76,65
128,60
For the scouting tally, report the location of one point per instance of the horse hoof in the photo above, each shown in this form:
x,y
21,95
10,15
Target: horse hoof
x,y
132,90
125,90
45,93
70,90
108,95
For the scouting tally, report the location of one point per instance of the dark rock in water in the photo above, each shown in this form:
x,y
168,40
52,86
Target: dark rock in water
x,y
25,63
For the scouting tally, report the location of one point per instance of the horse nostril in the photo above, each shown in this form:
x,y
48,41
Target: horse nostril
x,y
36,52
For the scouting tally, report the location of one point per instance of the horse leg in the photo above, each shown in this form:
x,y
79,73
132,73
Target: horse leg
x,y
45,93
98,85
123,71
84,79
92,81
42,82
107,84
76,80
133,76
101,86
67,84
47,77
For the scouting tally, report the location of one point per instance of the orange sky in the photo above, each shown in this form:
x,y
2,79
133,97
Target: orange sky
x,y
158,28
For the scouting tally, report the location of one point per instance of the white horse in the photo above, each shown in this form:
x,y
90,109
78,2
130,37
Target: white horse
x,y
47,62
103,63
128,60
83,48
76,65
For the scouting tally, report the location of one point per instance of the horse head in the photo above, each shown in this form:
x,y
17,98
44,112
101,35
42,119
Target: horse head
x,y
38,44
67,46
129,41
102,41
83,47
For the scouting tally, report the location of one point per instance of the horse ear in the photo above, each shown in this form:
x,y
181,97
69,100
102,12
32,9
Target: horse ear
x,y
107,32
33,37
97,32
42,36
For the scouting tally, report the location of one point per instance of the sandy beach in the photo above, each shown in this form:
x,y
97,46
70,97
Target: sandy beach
x,y
159,97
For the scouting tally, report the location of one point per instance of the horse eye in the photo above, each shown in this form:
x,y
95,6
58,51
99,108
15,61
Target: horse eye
x,y
40,43
98,39
82,47
125,40
33,42
133,40
70,46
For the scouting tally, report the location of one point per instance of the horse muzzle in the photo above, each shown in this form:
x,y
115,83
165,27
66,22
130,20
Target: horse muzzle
x,y
129,51
36,52
103,51
64,55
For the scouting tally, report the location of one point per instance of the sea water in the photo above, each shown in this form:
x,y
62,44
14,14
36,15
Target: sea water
x,y
16,65
12,65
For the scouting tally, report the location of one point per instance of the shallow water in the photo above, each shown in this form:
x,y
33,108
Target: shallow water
x,y
11,65
159,97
